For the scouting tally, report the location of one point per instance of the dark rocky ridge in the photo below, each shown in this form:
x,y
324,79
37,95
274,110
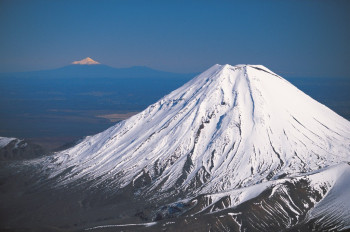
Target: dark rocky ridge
x,y
21,149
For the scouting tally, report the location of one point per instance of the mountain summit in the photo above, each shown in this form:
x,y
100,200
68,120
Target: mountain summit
x,y
230,127
86,61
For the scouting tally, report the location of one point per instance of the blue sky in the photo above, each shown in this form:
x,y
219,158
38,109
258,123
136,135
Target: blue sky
x,y
294,38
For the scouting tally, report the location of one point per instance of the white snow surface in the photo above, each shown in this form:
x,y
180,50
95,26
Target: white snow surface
x,y
330,178
4,141
230,127
335,206
123,225
86,61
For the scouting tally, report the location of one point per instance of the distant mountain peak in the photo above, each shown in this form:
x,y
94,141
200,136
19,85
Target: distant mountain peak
x,y
86,61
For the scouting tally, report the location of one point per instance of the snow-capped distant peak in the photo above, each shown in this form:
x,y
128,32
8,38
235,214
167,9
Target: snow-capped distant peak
x,y
86,61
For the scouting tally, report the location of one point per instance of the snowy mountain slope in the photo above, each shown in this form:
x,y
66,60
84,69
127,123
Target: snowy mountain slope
x,y
333,212
309,202
325,182
230,127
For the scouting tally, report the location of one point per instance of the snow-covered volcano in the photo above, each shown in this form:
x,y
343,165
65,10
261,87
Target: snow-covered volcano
x,y
238,148
229,127
86,61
